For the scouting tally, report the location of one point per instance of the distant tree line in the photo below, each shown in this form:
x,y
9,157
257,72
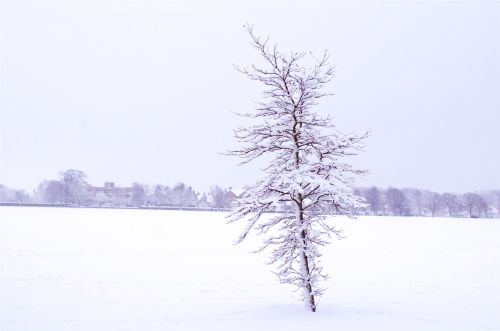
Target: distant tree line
x,y
72,189
415,202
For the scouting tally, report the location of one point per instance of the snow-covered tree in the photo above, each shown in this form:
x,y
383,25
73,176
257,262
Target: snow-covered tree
x,y
451,203
139,194
219,197
471,203
374,199
483,206
415,200
396,201
54,192
101,199
75,186
433,202
159,195
7,194
183,196
306,166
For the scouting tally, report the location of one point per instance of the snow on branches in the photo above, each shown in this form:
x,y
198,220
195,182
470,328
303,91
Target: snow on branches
x,y
306,177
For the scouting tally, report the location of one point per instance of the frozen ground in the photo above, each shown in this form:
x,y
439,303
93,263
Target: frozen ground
x,y
106,270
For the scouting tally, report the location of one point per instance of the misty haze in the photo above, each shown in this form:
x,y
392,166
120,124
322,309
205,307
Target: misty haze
x,y
254,165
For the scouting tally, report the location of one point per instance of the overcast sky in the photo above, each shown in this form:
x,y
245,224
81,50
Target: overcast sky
x,y
144,90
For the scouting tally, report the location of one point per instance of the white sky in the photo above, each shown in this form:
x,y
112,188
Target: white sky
x,y
144,90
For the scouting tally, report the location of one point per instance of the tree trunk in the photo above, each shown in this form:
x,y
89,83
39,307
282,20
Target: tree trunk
x,y
308,292
304,263
304,260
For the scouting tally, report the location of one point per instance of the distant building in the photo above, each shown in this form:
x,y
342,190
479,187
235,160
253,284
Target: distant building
x,y
111,194
233,195
237,192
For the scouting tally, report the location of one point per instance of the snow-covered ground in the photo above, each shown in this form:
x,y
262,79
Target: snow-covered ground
x,y
106,270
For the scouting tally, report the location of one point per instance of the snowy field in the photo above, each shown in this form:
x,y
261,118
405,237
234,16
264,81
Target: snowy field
x,y
145,270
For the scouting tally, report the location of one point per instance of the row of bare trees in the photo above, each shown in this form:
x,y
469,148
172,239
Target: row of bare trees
x,y
13,196
180,195
415,202
73,189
